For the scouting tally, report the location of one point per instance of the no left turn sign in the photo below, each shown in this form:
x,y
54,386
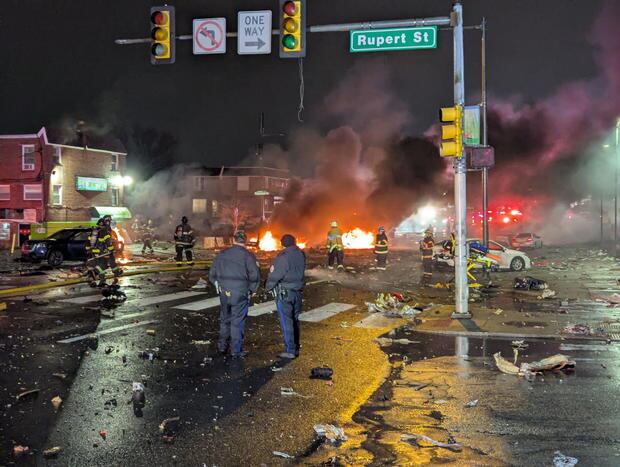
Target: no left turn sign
x,y
209,36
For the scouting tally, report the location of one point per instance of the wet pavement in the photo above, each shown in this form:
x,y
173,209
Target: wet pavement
x,y
64,343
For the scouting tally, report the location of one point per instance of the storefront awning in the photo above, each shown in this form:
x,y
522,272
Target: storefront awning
x,y
117,213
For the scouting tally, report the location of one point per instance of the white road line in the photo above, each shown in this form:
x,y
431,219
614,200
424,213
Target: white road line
x,y
106,331
262,308
323,312
199,305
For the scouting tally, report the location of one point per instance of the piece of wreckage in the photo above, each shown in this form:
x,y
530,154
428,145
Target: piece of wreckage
x,y
393,304
556,362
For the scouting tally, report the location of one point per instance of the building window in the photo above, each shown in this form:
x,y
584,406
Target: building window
x,y
5,192
57,195
200,183
214,207
243,183
57,155
199,206
27,157
33,192
115,197
114,163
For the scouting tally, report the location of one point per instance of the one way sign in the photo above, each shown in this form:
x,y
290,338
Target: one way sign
x,y
254,32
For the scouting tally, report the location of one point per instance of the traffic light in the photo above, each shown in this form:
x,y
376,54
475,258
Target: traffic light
x,y
162,35
292,28
452,134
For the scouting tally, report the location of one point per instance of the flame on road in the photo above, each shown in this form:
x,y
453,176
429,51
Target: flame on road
x,y
267,242
357,239
119,236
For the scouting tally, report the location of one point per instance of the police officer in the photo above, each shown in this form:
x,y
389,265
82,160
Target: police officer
x,y
286,282
426,248
184,240
335,247
236,276
381,249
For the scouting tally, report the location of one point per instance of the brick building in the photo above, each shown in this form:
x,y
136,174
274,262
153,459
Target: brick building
x,y
218,193
50,180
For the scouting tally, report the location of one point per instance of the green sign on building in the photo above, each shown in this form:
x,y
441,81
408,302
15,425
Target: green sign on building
x,y
91,184
381,40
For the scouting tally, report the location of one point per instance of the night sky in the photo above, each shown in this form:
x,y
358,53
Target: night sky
x,y
60,63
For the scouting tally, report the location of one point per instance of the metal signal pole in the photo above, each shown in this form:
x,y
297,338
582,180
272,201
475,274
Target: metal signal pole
x,y
461,290
485,142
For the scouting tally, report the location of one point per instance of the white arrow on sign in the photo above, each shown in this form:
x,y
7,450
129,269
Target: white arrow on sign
x,y
254,32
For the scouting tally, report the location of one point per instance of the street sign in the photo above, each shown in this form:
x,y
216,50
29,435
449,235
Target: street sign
x,y
254,32
209,36
471,125
381,40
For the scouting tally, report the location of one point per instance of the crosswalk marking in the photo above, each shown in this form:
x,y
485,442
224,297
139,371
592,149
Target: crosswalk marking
x,y
262,308
199,305
166,298
323,312
104,332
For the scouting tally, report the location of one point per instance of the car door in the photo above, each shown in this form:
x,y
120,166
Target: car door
x,y
76,245
499,251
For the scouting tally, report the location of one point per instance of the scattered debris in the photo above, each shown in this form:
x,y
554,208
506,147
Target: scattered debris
x,y
498,312
150,332
321,373
553,363
149,354
52,453
521,345
103,434
275,369
291,392
578,330
20,450
332,433
470,404
59,376
168,429
455,447
529,283
392,303
138,398
201,284
338,338
547,293
385,341
2,306
201,342
561,460
283,454
30,394
56,402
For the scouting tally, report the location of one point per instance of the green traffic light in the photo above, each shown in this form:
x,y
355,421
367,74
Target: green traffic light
x,y
289,41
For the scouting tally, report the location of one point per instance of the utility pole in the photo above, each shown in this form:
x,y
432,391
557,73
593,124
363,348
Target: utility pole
x,y
485,142
461,292
617,162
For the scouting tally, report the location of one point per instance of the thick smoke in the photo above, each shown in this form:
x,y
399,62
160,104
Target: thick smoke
x,y
366,172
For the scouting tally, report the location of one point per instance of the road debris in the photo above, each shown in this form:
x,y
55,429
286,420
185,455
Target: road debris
x,y
547,293
561,460
19,450
291,392
529,283
553,363
470,404
149,354
52,453
283,454
385,341
332,433
201,342
103,434
321,373
56,402
200,285
150,332
138,398
498,312
455,447
392,303
30,394
521,345
2,306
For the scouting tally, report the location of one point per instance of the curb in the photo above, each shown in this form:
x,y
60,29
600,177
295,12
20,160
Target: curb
x,y
508,335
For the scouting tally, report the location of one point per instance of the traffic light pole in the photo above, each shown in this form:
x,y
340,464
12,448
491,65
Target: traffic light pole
x,y
485,138
461,291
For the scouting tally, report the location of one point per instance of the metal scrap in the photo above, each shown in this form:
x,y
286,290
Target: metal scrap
x,y
553,363
561,460
332,433
455,447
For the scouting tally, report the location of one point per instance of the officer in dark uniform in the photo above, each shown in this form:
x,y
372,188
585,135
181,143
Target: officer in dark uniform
x,y
235,275
426,248
184,240
286,282
381,249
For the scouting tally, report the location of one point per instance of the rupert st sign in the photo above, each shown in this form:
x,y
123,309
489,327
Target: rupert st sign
x,y
382,40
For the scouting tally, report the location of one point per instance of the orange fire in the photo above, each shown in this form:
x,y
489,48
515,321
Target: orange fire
x,y
357,239
269,243
119,236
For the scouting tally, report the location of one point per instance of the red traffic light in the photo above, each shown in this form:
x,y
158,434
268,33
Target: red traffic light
x,y
158,18
289,8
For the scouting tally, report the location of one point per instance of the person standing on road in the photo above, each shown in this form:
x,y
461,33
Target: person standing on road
x,y
286,282
236,276
184,240
147,237
426,248
381,249
103,251
335,248
93,252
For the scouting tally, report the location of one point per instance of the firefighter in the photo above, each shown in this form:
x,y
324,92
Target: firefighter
x,y
335,248
147,237
103,251
236,276
426,248
381,249
184,240
452,245
93,252
286,282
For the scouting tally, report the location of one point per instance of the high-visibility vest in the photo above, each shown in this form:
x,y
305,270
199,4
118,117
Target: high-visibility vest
x,y
381,244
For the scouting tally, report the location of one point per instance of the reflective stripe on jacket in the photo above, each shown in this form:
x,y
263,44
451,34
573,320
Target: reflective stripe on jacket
x,y
381,244
334,239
